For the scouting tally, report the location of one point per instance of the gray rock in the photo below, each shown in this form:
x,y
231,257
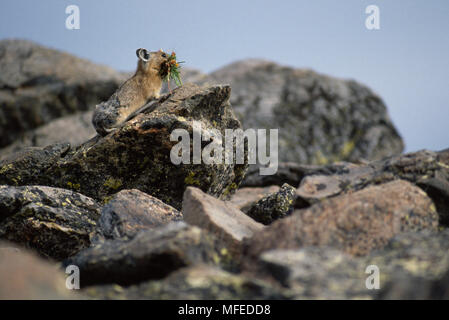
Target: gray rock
x,y
320,119
137,155
414,265
130,211
318,273
151,254
38,84
73,129
201,282
55,222
274,206
219,217
288,172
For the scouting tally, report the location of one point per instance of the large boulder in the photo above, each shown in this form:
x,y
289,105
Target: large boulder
x,y
321,119
137,155
74,129
55,222
151,254
356,223
38,84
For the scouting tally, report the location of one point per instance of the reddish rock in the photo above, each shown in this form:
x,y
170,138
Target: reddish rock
x,y
356,223
244,198
26,276
220,217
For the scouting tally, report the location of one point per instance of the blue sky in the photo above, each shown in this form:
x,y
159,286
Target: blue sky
x,y
406,62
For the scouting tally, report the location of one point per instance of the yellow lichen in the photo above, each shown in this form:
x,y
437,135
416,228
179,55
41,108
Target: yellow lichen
x,y
113,183
5,168
347,148
320,158
73,186
190,179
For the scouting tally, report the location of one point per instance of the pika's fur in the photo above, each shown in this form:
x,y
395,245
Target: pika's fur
x,y
143,86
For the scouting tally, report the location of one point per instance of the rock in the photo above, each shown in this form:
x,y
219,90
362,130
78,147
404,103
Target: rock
x,y
38,84
314,188
219,217
288,172
356,223
151,254
406,287
426,169
137,155
408,267
318,273
201,282
25,276
73,129
274,206
55,222
320,119
244,198
130,211
414,266
419,254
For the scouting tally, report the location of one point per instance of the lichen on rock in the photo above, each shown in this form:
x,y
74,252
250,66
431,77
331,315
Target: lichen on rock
x,y
137,155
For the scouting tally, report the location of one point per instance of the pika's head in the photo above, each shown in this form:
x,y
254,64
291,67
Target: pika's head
x,y
156,60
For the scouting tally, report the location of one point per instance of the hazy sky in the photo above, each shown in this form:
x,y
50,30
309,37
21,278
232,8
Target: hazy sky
x,y
406,62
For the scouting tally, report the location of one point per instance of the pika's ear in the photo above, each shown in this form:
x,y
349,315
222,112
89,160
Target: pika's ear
x,y
143,54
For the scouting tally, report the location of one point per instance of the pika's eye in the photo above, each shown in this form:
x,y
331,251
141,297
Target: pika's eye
x,y
164,55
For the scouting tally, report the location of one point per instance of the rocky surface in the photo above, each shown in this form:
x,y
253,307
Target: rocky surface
x,y
406,287
274,206
193,283
38,84
151,254
244,198
130,211
320,119
137,155
412,266
426,169
355,223
74,129
230,224
57,223
112,205
25,276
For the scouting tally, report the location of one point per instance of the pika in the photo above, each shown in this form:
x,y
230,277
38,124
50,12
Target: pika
x,y
134,93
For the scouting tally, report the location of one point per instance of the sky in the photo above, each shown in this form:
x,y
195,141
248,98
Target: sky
x,y
406,61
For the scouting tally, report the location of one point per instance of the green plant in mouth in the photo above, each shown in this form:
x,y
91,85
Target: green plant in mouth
x,y
172,70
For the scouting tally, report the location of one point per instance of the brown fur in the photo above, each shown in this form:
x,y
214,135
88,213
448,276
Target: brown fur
x,y
144,85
